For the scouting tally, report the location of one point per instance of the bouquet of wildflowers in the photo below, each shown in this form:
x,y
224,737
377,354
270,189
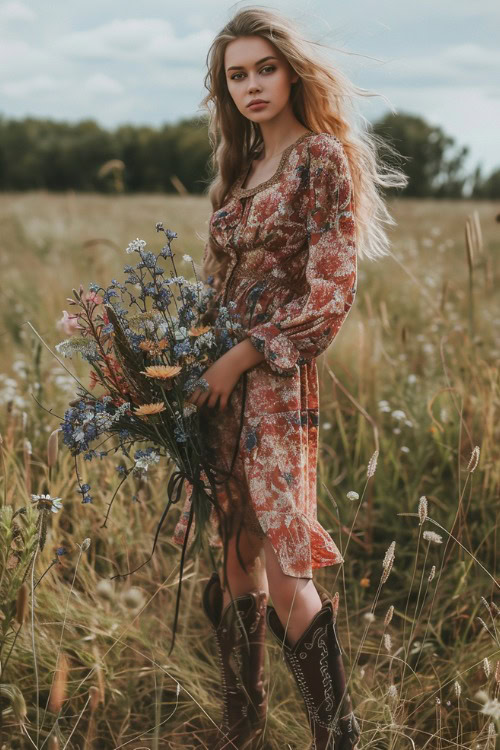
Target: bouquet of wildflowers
x,y
148,345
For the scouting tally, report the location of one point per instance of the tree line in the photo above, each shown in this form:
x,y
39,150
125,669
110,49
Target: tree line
x,y
174,158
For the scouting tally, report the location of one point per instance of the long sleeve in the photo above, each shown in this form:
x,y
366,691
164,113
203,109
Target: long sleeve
x,y
306,326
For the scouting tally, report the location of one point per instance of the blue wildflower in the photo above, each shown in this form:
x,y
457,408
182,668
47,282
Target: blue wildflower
x,y
166,252
180,435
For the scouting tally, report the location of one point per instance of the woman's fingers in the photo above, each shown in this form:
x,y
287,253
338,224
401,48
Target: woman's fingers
x,y
196,397
212,403
203,400
207,398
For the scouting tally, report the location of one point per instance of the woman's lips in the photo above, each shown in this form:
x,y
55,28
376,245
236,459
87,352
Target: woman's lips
x,y
259,105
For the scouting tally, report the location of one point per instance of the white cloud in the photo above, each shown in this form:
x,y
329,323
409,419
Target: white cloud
x,y
195,19
181,78
190,49
481,6
119,39
18,57
455,66
100,83
473,57
29,86
15,11
136,39
492,92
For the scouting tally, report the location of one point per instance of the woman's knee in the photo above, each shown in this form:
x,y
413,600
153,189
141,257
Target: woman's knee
x,y
245,547
283,588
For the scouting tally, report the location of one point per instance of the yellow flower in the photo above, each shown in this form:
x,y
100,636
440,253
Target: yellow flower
x,y
147,409
364,582
161,371
198,331
153,347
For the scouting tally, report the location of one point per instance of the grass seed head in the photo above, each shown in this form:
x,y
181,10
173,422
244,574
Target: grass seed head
x,y
431,536
389,615
58,690
474,459
22,604
52,447
372,465
486,667
422,509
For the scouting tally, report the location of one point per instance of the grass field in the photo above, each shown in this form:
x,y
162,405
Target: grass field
x,y
413,374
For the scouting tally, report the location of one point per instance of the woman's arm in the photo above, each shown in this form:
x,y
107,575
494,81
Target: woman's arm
x,y
225,372
243,356
303,328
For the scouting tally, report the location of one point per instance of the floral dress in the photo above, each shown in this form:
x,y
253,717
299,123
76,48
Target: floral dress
x,y
292,274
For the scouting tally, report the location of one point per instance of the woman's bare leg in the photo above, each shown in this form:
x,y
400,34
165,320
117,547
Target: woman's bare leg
x,y
252,553
296,600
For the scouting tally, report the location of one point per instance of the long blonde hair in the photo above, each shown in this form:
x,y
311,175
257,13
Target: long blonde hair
x,y
320,101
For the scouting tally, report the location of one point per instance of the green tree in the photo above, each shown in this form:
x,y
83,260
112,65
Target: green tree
x,y
432,170
486,187
44,154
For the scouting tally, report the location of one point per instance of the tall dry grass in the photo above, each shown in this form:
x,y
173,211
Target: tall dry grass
x,y
408,485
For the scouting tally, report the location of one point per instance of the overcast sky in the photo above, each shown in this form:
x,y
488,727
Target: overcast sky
x,y
144,63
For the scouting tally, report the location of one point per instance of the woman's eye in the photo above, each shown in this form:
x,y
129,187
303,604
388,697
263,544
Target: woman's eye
x,y
267,67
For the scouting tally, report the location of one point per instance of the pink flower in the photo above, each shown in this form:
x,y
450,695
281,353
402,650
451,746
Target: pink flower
x,y
92,297
69,323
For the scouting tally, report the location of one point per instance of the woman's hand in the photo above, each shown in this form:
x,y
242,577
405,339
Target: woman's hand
x,y
223,375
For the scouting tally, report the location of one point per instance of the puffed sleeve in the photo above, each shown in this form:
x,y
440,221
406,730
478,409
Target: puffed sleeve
x,y
303,328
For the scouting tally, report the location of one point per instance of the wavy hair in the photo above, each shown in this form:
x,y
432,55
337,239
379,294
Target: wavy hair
x,y
322,101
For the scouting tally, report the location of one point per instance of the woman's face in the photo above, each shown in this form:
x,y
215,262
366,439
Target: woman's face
x,y
250,76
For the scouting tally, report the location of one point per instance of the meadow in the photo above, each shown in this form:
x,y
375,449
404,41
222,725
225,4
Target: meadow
x,y
409,428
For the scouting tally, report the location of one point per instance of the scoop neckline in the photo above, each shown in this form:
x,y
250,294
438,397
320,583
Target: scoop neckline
x,y
241,192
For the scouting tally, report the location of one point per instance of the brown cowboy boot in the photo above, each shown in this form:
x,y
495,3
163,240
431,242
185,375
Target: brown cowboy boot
x,y
316,664
241,650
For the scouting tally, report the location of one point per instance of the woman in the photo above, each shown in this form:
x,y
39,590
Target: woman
x,y
295,204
